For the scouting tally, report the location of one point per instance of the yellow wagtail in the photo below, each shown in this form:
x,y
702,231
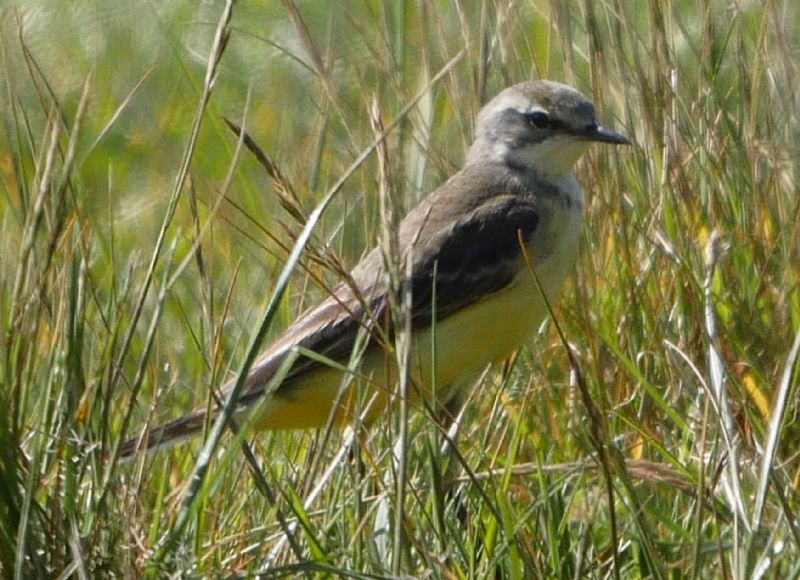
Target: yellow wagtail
x,y
473,299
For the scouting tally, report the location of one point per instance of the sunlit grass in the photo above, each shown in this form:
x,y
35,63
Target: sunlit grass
x,y
689,258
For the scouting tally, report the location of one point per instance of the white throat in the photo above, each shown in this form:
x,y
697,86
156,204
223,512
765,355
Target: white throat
x,y
553,158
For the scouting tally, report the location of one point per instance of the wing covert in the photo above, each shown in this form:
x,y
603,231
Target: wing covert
x,y
476,257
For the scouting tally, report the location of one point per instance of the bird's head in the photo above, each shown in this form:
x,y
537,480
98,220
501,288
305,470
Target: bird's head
x,y
538,126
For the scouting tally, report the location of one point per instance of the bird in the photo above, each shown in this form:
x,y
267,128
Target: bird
x,y
515,205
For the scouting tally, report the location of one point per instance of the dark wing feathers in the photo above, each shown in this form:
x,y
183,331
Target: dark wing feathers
x,y
334,340
472,258
476,257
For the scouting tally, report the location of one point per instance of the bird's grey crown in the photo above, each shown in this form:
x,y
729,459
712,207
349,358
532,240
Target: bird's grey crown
x,y
504,124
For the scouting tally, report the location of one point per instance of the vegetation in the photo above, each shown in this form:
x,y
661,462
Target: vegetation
x,y
142,244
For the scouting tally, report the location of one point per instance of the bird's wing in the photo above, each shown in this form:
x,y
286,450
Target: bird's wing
x,y
329,329
478,255
455,263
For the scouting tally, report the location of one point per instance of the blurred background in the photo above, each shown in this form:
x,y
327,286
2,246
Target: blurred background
x,y
141,247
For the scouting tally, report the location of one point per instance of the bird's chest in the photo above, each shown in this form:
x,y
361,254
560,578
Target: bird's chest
x,y
554,246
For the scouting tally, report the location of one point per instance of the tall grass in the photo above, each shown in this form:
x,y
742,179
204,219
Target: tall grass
x,y
143,243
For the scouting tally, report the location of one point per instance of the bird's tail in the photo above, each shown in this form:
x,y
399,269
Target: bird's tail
x,y
165,436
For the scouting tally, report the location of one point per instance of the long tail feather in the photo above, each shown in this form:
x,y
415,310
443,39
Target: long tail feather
x,y
165,436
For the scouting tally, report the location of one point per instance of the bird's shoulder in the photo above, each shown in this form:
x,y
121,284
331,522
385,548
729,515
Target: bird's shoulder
x,y
479,193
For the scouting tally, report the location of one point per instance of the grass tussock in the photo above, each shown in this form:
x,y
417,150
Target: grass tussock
x,y
146,254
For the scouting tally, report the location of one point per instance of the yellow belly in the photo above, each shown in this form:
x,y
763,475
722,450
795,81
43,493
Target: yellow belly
x,y
462,346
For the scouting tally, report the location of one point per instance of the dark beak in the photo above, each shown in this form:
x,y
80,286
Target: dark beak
x,y
603,135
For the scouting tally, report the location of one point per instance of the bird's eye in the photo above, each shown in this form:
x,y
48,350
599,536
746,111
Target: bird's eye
x,y
538,119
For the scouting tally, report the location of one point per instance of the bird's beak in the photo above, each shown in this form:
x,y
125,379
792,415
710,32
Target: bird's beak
x,y
604,135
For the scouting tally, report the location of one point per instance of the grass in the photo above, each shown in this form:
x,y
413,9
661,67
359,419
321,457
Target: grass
x,y
143,246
